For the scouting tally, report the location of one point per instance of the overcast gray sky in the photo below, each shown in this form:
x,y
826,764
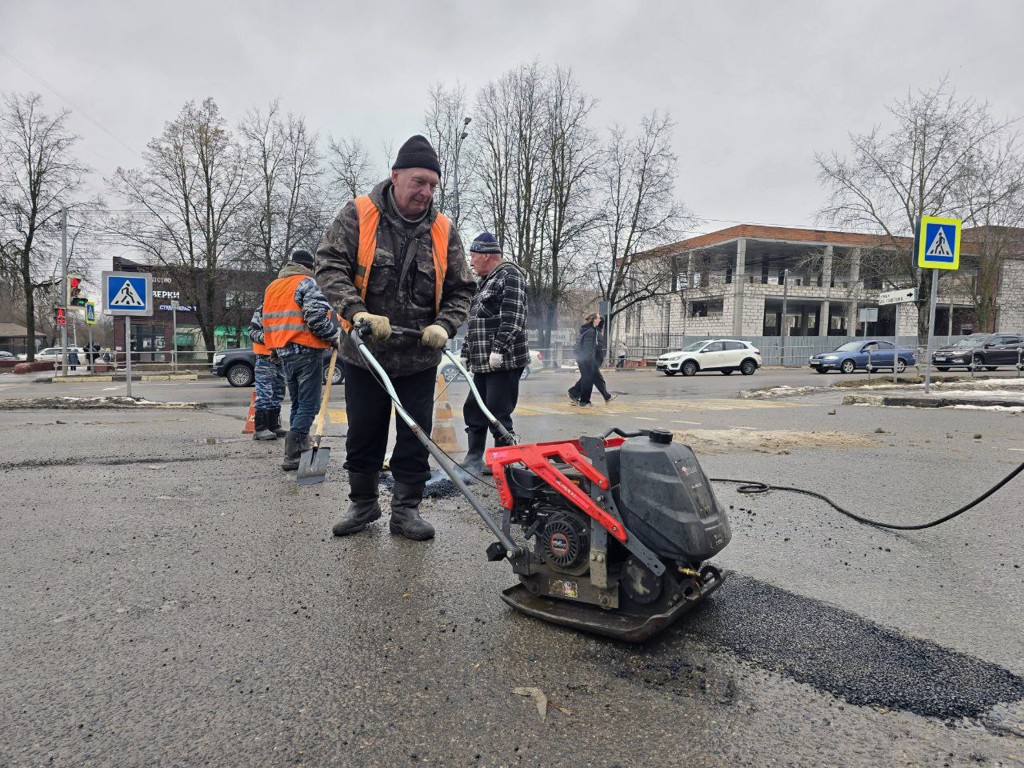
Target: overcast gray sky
x,y
755,87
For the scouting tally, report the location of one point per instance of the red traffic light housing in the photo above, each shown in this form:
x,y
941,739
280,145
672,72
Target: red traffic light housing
x,y
75,296
58,313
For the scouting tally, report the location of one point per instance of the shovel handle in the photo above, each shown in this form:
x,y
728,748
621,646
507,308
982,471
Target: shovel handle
x,y
322,415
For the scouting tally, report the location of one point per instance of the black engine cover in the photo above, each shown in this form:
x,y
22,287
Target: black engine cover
x,y
667,501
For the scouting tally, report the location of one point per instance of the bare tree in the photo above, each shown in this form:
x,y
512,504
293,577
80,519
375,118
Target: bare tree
x,y
445,120
351,168
918,167
638,178
994,199
285,163
39,175
185,204
572,157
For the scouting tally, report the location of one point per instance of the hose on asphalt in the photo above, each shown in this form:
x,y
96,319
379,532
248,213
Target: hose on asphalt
x,y
754,487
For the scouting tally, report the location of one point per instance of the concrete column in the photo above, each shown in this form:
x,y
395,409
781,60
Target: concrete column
x,y
823,319
826,271
855,267
739,282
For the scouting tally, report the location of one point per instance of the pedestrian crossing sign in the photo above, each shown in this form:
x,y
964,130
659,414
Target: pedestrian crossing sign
x,y
128,293
938,243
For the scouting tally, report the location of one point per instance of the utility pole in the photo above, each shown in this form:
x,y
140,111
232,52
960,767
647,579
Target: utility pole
x,y
458,147
64,289
784,325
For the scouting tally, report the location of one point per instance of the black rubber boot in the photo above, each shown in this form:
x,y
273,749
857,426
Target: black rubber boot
x,y
274,422
473,464
364,508
405,512
262,431
294,444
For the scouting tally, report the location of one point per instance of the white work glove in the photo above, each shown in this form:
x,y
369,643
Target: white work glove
x,y
434,336
495,360
380,326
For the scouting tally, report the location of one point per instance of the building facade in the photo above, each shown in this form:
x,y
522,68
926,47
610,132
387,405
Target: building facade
x,y
752,282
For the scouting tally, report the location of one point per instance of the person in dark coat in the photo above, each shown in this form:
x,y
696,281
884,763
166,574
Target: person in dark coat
x,y
599,353
586,359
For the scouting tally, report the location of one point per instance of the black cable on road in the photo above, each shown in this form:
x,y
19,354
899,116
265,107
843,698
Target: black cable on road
x,y
753,486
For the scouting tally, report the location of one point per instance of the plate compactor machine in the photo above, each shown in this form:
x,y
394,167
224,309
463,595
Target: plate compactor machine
x,y
613,531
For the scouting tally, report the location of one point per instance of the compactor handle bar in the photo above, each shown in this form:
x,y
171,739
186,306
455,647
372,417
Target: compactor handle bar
x,y
508,438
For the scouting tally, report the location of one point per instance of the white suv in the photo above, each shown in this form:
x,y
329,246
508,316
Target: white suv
x,y
725,355
53,354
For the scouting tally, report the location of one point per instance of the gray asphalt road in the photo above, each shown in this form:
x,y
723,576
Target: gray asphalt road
x,y
172,598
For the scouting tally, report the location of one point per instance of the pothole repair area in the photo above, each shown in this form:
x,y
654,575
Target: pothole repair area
x,y
777,442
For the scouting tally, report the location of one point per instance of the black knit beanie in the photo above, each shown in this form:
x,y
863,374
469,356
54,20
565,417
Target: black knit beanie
x,y
417,153
303,258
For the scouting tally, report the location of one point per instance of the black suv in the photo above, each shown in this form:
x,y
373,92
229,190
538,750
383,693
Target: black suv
x,y
981,350
239,367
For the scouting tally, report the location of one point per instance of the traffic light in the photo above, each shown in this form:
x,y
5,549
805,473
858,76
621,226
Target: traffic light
x,y
58,313
75,295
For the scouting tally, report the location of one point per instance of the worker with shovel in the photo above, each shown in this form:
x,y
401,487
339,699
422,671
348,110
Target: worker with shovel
x,y
392,257
298,325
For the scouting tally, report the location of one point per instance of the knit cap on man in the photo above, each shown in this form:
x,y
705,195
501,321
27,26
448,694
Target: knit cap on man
x,y
485,242
303,258
417,153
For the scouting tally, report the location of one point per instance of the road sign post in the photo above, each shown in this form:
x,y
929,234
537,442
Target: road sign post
x,y
174,337
128,295
897,297
937,242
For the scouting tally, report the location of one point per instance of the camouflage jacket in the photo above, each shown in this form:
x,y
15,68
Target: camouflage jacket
x,y
401,285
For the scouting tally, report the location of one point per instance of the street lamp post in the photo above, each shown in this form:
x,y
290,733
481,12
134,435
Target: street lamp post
x,y
458,147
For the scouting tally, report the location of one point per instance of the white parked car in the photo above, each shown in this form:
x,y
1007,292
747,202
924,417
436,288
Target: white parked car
x,y
725,355
53,355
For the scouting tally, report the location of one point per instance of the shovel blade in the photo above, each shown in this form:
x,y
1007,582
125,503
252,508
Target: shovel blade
x,y
313,466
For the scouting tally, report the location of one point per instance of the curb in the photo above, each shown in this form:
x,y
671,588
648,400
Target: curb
x,y
929,402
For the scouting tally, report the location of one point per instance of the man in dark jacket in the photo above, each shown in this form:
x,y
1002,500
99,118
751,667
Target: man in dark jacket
x,y
298,325
390,257
600,351
586,353
495,350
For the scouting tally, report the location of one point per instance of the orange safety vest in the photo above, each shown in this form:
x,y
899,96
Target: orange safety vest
x,y
282,316
260,349
369,219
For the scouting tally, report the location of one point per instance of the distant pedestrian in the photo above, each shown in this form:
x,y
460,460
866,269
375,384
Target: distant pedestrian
x,y
620,354
599,353
586,360
73,360
496,350
298,324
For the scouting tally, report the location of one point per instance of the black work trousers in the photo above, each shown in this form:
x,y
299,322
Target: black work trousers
x,y
369,417
500,393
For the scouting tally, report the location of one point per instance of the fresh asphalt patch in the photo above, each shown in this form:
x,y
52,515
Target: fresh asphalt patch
x,y
846,655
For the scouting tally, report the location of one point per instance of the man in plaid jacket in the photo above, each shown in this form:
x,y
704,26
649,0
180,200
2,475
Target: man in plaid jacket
x,y
495,350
